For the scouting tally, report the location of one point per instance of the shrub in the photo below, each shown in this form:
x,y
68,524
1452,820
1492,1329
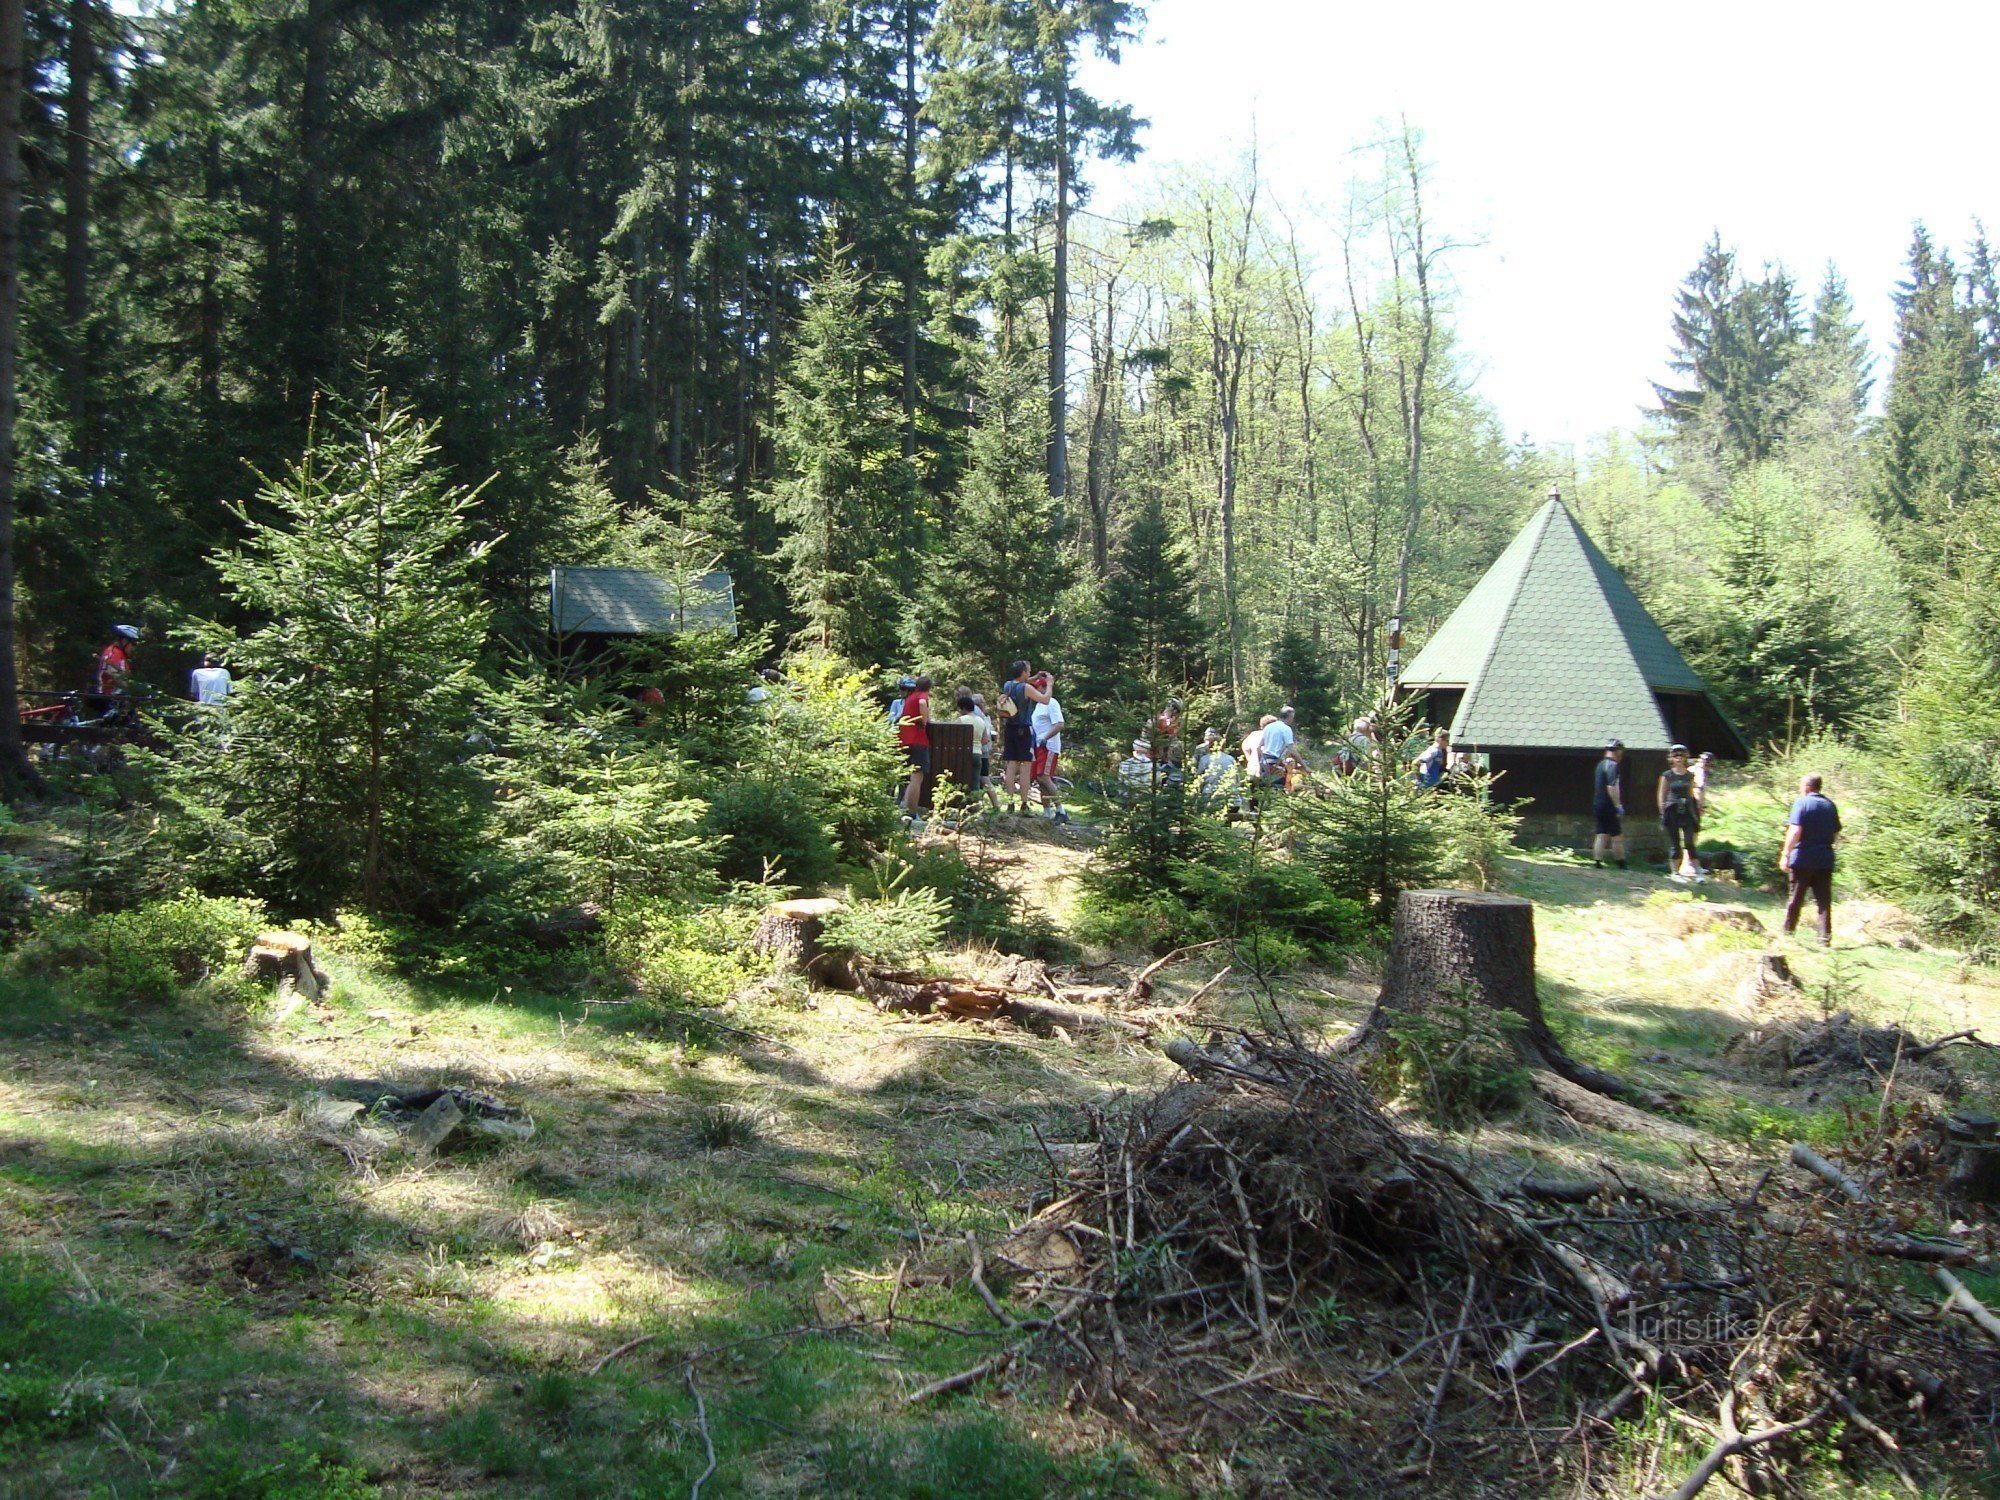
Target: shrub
x,y
150,953
893,929
762,826
979,906
1171,872
685,954
1458,1061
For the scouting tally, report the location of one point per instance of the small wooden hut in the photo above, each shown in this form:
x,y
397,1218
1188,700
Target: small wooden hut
x,y
605,604
1550,656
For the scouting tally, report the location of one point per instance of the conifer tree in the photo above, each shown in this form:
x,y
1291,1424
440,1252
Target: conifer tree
x,y
1144,634
846,492
1300,672
1735,340
1933,432
340,770
989,595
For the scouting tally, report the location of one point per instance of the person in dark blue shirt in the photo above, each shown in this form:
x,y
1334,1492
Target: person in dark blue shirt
x,y
1608,804
1807,859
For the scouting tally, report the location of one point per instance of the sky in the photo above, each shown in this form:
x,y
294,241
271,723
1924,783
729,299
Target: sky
x,y
1583,154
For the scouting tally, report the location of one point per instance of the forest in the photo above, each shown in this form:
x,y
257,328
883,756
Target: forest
x,y
484,1060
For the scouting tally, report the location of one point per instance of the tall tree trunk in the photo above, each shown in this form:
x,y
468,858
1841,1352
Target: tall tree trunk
x,y
16,775
307,319
912,238
208,335
82,68
1413,374
1059,307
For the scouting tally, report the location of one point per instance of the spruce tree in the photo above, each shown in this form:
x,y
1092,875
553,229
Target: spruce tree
x,y
846,491
1301,673
1934,430
339,772
989,594
1734,341
1144,636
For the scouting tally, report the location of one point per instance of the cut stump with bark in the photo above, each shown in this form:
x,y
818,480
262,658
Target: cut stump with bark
x,y
1452,948
791,933
287,957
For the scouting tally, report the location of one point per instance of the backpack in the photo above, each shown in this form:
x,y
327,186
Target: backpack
x,y
1009,706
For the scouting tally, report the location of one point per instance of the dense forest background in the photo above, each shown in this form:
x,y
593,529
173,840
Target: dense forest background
x,y
821,289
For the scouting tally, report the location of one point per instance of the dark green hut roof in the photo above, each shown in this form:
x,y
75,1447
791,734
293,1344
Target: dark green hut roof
x,y
1555,652
633,601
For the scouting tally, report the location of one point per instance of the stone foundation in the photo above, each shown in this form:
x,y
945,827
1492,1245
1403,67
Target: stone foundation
x,y
1643,839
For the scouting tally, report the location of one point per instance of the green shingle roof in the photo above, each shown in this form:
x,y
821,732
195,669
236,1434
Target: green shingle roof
x,y
633,601
1554,650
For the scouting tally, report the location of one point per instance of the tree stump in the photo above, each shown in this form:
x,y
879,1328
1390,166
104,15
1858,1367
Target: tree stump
x,y
1452,948
791,933
288,958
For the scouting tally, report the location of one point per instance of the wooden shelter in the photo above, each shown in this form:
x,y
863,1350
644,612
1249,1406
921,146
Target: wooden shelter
x,y
1550,656
610,603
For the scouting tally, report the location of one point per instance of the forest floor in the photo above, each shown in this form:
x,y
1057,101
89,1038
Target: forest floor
x,y
209,1286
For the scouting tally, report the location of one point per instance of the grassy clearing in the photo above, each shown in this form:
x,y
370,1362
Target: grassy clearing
x,y
207,1291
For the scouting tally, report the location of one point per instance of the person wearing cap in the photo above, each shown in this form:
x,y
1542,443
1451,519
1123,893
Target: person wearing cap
x,y
1608,806
1047,723
1167,724
1137,769
1680,820
903,687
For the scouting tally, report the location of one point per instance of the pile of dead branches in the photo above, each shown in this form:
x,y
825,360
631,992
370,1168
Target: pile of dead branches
x,y
1837,1050
1257,1266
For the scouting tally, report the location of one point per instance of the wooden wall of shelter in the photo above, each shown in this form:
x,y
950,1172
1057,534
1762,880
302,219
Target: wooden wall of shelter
x,y
951,756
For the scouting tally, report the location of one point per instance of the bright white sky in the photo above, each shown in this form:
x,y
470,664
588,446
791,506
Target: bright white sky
x,y
1587,150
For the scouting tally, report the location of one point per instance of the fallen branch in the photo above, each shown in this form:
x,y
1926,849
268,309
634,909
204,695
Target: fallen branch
x,y
1733,1442
1965,1302
963,1378
707,1442
1804,1156
1142,985
625,1348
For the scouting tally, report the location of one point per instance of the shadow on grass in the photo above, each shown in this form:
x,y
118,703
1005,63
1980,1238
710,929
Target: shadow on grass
x,y
205,1296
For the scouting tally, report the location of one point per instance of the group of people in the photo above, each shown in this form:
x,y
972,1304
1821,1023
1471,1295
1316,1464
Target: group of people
x,y
1029,730
1683,803
209,684
1812,828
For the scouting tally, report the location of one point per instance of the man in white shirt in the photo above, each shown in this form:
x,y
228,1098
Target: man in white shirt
x,y
209,683
1047,724
1278,750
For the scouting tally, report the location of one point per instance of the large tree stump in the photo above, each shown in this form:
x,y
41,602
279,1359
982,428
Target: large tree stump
x,y
287,957
1451,948
791,934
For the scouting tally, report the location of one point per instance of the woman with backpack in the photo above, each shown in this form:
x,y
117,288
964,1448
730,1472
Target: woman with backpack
x,y
1018,697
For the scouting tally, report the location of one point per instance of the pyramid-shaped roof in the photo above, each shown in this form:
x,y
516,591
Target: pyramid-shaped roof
x,y
1555,651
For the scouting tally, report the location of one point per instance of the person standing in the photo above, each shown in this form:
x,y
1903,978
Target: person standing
x,y
914,731
1680,819
1807,858
1047,722
982,740
209,683
1608,806
114,663
1018,697
1253,748
1215,765
1432,763
1280,747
